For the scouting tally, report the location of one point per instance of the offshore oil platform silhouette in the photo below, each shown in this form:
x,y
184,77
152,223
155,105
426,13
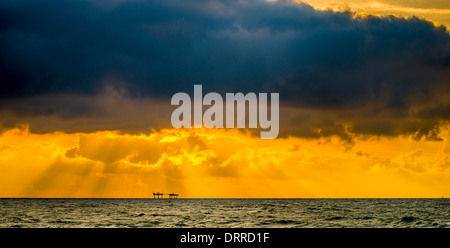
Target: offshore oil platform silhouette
x,y
158,195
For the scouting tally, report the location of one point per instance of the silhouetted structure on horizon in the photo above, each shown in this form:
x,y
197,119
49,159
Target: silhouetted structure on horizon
x,y
158,195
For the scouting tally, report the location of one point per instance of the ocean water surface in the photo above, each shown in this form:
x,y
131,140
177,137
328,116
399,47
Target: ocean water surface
x,y
114,213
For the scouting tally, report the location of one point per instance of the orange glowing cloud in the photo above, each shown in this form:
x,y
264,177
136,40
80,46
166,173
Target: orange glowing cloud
x,y
436,11
218,163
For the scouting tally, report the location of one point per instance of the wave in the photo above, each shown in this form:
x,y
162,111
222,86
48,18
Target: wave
x,y
225,213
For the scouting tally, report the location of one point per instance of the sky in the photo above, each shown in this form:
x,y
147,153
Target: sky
x,y
364,89
437,11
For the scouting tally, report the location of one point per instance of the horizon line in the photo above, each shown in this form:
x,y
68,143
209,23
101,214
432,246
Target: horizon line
x,y
225,198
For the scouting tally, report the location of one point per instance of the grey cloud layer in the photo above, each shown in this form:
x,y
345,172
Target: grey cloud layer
x,y
390,70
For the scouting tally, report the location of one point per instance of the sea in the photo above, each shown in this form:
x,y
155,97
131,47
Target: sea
x,y
224,213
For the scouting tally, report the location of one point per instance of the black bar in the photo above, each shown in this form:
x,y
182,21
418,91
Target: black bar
x,y
242,237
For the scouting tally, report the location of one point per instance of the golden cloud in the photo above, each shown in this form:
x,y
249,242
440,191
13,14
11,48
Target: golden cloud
x,y
218,163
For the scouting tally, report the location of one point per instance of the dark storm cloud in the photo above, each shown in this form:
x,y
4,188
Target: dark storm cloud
x,y
391,70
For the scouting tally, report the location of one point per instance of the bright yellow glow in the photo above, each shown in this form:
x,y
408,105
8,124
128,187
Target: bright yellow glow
x,y
218,163
436,11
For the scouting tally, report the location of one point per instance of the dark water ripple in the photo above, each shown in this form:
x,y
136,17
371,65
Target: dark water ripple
x,y
397,213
